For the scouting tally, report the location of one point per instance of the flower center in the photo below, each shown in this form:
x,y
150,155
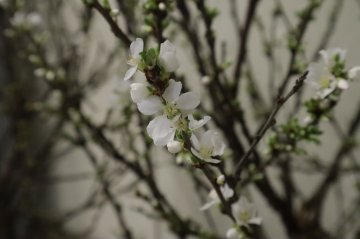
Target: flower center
x,y
206,152
324,82
244,216
171,111
133,62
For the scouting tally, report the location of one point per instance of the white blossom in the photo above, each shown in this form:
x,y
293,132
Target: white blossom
x,y
209,145
167,56
136,47
245,213
354,73
226,191
175,103
320,76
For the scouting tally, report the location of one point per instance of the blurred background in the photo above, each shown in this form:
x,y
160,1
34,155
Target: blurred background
x,y
48,187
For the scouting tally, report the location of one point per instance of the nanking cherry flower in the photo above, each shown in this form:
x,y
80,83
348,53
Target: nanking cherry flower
x,y
136,47
226,191
209,145
245,213
327,77
175,103
167,56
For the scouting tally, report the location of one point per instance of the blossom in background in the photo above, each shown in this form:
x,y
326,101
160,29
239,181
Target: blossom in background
x,y
31,19
226,191
245,214
209,146
167,56
136,47
331,75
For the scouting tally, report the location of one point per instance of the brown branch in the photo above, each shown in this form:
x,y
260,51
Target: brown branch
x,y
270,121
106,13
243,44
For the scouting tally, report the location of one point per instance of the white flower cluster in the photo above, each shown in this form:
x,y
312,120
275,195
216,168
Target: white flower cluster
x,y
331,73
28,20
244,212
174,111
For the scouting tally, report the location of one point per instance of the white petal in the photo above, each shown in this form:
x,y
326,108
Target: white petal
x,y
169,61
136,47
232,233
255,220
195,142
227,191
212,160
188,101
325,56
208,205
354,73
150,105
206,140
160,126
172,92
218,145
195,124
196,153
138,92
168,56
162,141
130,73
343,84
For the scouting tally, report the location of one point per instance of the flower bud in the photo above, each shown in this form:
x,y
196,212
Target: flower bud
x,y
174,147
162,6
221,179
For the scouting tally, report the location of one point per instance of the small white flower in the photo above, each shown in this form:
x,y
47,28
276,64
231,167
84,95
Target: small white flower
x,y
226,191
245,213
220,179
136,47
174,102
162,6
174,146
320,76
205,80
139,92
167,56
209,145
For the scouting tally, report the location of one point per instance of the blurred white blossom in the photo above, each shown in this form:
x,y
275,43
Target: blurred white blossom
x,y
226,191
136,47
209,146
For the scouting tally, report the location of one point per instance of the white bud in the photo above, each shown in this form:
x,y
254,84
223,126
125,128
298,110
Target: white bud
x,y
162,6
220,179
114,12
205,80
50,75
174,147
